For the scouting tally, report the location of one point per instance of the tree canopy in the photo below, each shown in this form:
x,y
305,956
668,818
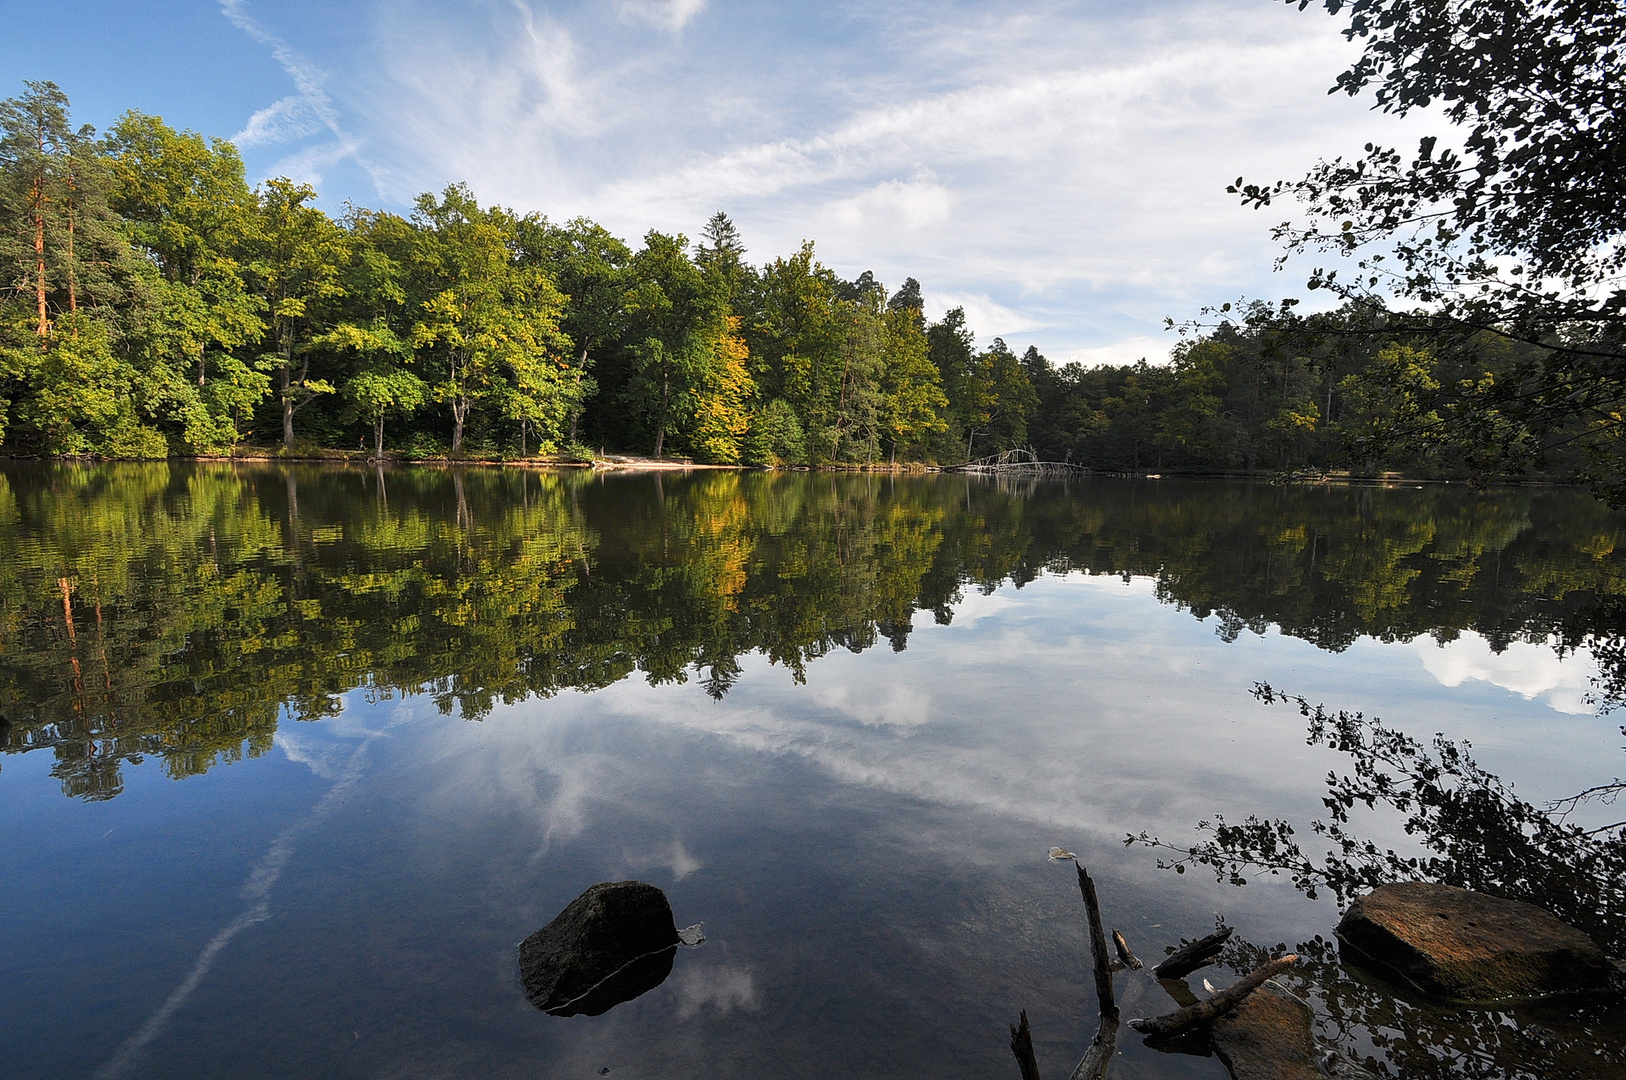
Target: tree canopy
x,y
1498,242
157,304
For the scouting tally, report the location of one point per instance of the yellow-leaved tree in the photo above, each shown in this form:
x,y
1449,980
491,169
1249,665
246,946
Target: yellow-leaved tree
x,y
722,412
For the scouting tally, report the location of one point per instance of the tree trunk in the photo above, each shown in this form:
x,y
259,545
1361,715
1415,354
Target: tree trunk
x,y
378,437
660,425
38,206
576,413
460,409
287,410
73,285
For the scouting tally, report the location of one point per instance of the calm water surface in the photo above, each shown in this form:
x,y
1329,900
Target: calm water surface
x,y
296,757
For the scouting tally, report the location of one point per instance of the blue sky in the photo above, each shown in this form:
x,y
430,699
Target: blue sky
x,y
1056,168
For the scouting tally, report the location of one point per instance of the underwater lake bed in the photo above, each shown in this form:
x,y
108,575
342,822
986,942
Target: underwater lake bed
x,y
294,757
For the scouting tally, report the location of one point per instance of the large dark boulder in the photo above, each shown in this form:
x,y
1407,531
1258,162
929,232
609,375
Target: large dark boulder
x,y
1466,946
612,943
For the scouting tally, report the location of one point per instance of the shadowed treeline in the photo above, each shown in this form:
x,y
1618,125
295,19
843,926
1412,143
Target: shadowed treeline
x,y
182,611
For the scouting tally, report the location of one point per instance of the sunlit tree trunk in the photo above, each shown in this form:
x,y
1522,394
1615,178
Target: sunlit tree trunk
x,y
37,204
660,425
460,412
73,284
287,407
460,401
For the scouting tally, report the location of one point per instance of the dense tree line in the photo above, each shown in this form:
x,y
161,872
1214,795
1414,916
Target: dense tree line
x,y
160,305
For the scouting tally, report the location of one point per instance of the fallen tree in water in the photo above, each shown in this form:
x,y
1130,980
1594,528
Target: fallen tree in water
x,y
1192,1014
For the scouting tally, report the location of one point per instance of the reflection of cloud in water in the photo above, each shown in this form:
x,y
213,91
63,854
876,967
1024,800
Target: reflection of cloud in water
x,y
1529,670
1087,709
675,858
724,987
312,750
256,892
975,606
889,705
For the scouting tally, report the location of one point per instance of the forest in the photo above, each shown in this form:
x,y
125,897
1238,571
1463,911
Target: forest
x,y
158,305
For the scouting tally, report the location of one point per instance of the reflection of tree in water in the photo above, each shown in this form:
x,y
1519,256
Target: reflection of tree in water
x,y
183,611
1474,832
1396,1034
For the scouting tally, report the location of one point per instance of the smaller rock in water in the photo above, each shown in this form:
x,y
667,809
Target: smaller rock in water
x,y
1267,1037
612,943
1466,946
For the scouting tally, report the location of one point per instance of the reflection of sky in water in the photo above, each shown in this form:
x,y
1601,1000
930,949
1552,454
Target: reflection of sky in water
x,y
866,851
1533,671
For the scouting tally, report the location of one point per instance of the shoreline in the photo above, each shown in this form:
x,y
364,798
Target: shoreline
x,y
637,463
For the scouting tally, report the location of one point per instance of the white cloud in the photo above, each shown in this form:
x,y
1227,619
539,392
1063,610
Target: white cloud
x,y
1058,169
279,122
310,164
307,112
987,316
671,15
893,204
1154,350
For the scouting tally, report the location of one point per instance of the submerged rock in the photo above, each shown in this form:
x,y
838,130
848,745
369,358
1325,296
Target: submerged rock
x,y
1467,946
1268,1037
612,943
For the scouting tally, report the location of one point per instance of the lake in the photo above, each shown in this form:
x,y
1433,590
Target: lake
x,y
296,756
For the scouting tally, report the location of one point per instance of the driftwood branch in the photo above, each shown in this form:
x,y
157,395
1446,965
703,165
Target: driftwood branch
x,y
1022,1047
1186,959
1216,1006
1099,1055
1098,946
1129,959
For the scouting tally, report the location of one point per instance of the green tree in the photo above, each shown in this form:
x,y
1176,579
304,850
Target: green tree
x,y
68,370
185,204
377,392
675,316
589,266
912,399
998,400
775,437
1516,235
491,322
797,339
35,138
298,252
